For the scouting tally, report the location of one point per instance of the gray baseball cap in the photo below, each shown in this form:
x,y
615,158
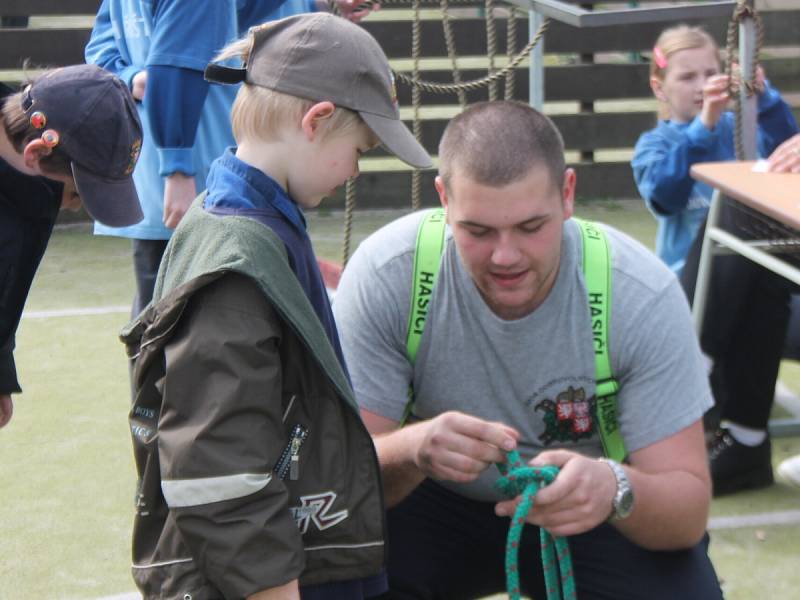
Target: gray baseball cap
x,y
324,57
90,114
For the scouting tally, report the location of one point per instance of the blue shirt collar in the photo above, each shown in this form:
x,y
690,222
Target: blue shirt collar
x,y
232,183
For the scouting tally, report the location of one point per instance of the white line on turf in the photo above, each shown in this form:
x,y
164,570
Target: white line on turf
x,y
75,312
786,517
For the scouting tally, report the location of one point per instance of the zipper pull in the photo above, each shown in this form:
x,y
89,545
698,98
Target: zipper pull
x,y
294,460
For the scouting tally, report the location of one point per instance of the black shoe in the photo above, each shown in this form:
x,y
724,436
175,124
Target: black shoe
x,y
736,467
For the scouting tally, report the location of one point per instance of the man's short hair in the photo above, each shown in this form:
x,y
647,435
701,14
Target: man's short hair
x,y
497,143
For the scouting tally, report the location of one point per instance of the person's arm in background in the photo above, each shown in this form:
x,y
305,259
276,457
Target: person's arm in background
x,y
102,49
776,122
26,222
786,158
663,157
176,89
347,8
255,12
174,103
661,163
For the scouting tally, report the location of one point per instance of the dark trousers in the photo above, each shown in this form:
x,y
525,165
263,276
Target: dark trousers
x,y
744,328
791,347
146,259
445,547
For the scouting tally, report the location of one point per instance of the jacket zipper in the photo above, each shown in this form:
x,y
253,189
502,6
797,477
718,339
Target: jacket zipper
x,y
289,462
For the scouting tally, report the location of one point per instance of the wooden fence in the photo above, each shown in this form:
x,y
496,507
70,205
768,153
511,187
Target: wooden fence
x,y
596,85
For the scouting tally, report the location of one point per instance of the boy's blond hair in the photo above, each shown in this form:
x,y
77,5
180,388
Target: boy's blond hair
x,y
20,132
676,39
262,113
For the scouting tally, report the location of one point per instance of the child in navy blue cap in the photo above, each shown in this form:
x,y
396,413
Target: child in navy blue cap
x,y
72,135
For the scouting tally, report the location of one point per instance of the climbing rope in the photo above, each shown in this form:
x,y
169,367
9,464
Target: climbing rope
x,y
416,101
518,479
349,209
511,47
450,88
491,46
450,44
476,84
745,9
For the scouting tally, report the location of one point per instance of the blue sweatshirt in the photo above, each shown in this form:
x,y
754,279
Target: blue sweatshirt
x,y
186,121
662,159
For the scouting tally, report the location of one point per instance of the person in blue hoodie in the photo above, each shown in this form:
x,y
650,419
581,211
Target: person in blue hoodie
x,y
748,307
157,46
161,47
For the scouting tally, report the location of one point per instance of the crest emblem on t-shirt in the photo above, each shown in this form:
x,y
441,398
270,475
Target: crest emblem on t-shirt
x,y
568,418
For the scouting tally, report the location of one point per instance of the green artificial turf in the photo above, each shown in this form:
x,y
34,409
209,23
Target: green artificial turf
x,y
67,473
67,470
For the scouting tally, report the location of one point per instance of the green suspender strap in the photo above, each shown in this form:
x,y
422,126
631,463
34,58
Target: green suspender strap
x,y
597,273
427,258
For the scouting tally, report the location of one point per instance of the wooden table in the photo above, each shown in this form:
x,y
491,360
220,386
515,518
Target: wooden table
x,y
776,195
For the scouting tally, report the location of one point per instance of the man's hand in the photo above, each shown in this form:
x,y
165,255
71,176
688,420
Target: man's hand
x,y
715,100
348,8
786,157
139,85
6,409
578,500
760,80
458,447
179,192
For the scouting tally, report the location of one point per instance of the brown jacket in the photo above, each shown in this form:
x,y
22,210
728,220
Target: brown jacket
x,y
254,466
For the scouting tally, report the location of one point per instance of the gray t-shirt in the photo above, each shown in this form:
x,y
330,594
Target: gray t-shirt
x,y
536,373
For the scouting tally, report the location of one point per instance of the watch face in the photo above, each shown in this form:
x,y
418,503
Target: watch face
x,y
625,504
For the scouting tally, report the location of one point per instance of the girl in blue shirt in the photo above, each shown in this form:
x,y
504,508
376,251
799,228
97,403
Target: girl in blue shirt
x,y
693,127
748,307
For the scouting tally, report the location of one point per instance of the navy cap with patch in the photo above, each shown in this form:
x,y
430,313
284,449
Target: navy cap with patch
x,y
90,114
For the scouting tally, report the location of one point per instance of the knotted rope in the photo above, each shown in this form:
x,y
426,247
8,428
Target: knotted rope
x,y
516,479
745,9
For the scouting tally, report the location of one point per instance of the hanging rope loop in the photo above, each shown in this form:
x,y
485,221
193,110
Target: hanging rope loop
x,y
476,84
519,479
454,88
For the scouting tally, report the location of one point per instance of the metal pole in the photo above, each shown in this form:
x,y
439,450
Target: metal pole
x,y
536,67
701,288
747,50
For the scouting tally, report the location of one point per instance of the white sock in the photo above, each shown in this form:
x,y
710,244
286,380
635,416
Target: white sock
x,y
745,435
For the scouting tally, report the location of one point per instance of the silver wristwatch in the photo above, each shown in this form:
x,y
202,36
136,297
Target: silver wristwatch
x,y
622,503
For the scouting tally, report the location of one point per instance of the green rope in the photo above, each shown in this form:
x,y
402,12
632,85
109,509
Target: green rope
x,y
517,479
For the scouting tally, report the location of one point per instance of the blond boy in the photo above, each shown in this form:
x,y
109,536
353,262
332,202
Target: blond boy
x,y
257,478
